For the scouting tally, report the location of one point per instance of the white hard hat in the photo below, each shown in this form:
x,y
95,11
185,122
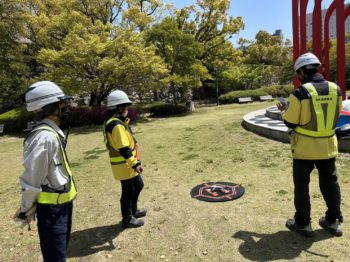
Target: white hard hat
x,y
43,93
117,97
307,59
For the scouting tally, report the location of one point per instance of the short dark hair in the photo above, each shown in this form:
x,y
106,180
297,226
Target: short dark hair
x,y
309,71
111,112
46,111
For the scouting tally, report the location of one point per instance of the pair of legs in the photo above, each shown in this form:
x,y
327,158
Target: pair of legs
x,y
131,189
54,226
329,187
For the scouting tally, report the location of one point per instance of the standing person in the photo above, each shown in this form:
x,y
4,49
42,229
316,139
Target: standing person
x,y
125,163
47,182
312,114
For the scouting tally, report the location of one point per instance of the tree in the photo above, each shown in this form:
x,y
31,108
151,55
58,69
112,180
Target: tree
x,y
13,69
212,28
180,51
110,54
333,61
266,60
91,60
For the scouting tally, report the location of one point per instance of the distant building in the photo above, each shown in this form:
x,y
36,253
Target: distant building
x,y
278,32
332,25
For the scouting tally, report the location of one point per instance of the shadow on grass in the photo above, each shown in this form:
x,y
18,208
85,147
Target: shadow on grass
x,y
280,245
92,240
94,153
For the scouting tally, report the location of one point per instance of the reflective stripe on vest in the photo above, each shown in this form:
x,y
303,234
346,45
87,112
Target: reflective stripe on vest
x,y
325,119
115,157
58,198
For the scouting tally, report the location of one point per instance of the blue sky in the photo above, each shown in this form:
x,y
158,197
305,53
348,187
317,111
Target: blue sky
x,y
258,15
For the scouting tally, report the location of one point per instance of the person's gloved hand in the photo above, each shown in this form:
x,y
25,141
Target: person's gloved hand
x,y
25,218
139,169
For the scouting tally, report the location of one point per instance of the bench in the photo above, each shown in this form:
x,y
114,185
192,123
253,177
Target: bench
x,y
2,128
266,98
245,100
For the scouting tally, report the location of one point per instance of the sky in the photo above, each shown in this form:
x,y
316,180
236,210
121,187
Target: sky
x,y
267,15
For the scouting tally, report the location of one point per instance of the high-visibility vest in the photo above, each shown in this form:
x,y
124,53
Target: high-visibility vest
x,y
323,112
115,157
70,192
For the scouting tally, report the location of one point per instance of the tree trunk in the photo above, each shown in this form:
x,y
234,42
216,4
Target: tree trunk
x,y
155,95
173,89
94,100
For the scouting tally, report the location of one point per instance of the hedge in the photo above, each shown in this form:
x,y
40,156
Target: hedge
x,y
16,119
162,110
277,90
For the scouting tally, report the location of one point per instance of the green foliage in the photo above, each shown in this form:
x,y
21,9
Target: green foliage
x,y
333,62
266,60
180,51
90,60
163,110
15,120
12,60
277,90
208,21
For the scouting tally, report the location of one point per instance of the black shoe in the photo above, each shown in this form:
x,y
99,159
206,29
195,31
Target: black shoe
x,y
334,229
140,212
132,223
305,231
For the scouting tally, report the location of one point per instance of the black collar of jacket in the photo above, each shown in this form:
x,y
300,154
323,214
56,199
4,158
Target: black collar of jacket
x,y
122,118
301,92
316,78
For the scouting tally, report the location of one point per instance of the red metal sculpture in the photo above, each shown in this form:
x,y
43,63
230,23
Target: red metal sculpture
x,y
299,8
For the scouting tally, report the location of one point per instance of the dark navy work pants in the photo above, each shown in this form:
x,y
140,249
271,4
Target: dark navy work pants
x,y
131,189
329,187
54,226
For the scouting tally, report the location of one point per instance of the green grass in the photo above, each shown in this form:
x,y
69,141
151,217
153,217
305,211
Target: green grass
x,y
179,153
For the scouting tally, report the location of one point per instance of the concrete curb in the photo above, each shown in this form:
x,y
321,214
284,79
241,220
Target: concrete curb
x,y
267,123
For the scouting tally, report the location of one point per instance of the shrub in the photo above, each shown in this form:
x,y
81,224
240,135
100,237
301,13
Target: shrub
x,y
15,120
161,110
277,90
81,116
233,96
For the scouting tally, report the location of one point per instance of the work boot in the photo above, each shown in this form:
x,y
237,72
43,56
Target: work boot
x,y
305,231
334,228
139,212
132,223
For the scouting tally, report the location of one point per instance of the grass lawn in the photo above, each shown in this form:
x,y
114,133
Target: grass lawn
x,y
179,153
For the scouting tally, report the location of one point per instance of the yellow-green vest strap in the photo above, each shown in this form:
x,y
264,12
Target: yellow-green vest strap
x,y
58,198
324,109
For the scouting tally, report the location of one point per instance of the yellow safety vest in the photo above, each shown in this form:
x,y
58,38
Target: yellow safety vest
x,y
52,198
323,112
121,167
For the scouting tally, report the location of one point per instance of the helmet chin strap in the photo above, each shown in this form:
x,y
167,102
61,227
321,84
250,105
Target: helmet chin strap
x,y
63,117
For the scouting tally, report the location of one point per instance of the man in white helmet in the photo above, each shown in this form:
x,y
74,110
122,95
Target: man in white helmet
x,y
124,158
312,114
47,183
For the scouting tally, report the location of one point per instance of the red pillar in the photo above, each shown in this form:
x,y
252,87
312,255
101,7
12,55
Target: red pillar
x,y
303,40
296,39
317,29
341,47
329,13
